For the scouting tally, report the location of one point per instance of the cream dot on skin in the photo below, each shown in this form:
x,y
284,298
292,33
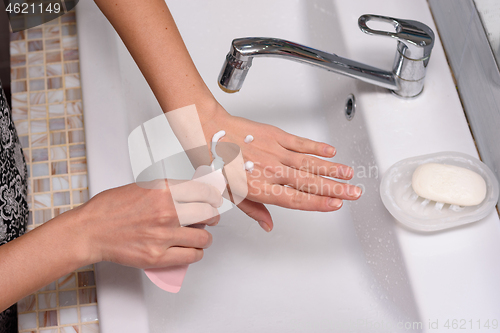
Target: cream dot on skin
x,y
248,139
249,166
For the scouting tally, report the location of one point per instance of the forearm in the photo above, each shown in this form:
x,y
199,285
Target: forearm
x,y
39,257
151,36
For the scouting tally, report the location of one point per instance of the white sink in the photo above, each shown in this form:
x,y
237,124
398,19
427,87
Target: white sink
x,y
347,271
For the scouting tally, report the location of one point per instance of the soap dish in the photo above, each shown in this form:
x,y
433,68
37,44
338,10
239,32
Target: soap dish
x,y
423,214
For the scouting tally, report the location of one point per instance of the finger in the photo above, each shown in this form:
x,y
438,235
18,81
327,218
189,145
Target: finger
x,y
289,197
306,146
175,256
193,191
317,166
258,212
196,212
307,182
192,237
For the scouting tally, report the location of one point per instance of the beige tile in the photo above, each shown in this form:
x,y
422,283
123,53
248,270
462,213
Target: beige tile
x,y
86,279
69,316
18,86
41,185
79,181
37,84
41,216
35,58
70,55
59,168
52,32
36,45
17,35
67,298
54,83
47,318
19,100
52,57
53,44
60,183
80,196
56,110
55,96
35,33
76,136
69,42
27,321
42,200
58,153
68,18
47,301
18,60
67,282
40,169
71,67
27,304
78,166
38,126
74,108
37,98
77,151
69,30
22,127
39,140
39,155
57,124
38,111
57,138
74,122
18,47
19,113
18,73
54,69
36,71
61,198
72,81
87,295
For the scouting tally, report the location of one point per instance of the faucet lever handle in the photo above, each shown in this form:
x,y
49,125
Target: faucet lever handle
x,y
415,39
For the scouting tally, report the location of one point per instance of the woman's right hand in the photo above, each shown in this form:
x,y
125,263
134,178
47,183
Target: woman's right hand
x,y
139,226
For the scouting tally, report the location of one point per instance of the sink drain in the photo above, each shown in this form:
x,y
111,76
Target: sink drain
x,y
350,107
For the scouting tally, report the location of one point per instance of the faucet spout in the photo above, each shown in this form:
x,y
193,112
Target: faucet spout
x,y
243,50
415,42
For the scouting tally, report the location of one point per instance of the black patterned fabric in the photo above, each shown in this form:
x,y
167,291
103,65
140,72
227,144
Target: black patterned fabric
x,y
13,195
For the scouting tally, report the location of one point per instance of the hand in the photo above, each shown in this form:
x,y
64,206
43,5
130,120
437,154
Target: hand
x,y
138,225
283,174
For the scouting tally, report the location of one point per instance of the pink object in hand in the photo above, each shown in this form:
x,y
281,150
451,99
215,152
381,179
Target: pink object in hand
x,y
170,278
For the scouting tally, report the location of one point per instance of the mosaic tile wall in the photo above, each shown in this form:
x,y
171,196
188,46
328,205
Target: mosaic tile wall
x,y
47,112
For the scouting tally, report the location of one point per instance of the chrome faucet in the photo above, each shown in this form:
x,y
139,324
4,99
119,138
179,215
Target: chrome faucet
x,y
415,42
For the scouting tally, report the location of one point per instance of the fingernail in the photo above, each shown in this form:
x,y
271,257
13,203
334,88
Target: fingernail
x,y
329,150
264,226
347,172
357,191
335,203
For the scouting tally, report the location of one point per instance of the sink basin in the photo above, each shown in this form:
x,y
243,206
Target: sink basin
x,y
354,270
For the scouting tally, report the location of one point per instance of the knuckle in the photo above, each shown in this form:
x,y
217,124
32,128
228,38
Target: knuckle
x,y
154,256
297,199
305,163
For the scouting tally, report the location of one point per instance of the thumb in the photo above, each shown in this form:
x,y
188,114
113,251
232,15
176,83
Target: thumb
x,y
258,212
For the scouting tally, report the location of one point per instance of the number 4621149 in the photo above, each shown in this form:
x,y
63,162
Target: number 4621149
x,y
24,8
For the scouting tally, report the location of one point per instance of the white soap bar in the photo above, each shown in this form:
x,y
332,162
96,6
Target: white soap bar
x,y
449,184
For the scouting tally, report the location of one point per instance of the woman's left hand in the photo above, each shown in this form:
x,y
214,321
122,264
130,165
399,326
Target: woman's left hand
x,y
285,174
